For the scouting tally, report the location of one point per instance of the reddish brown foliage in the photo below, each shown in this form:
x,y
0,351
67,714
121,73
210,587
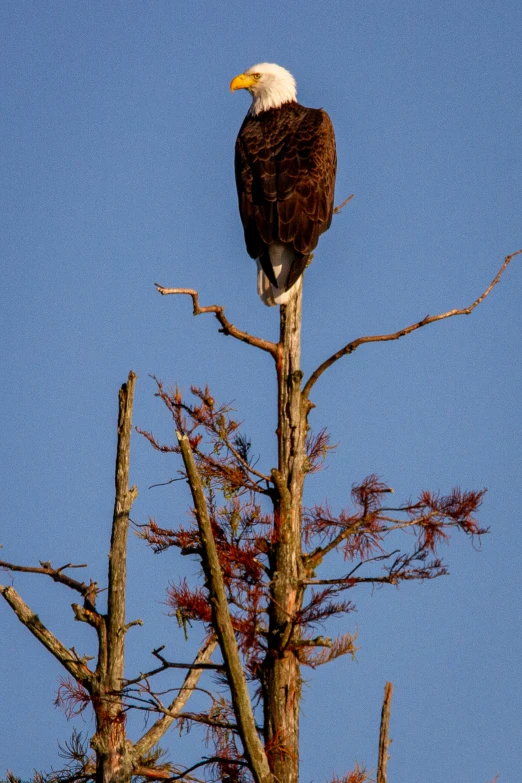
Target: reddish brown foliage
x,y
369,535
358,775
71,697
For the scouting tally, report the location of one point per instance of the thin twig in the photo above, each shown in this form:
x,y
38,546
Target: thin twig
x,y
228,328
197,664
210,760
244,463
250,484
429,319
337,209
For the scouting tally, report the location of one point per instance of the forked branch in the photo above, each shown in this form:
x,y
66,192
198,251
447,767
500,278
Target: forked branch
x,y
429,319
227,327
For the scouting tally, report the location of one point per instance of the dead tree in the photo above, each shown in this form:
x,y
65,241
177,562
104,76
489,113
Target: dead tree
x,y
261,551
114,758
263,594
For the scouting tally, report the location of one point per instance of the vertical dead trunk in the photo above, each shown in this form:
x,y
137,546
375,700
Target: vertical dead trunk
x,y
113,750
384,739
282,681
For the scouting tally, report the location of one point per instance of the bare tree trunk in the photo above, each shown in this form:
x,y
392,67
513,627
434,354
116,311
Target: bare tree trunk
x,y
114,752
117,758
384,741
282,680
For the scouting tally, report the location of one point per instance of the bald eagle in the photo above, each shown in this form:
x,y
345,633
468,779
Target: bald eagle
x,y
285,164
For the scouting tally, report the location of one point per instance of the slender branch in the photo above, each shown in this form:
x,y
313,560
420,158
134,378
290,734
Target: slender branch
x,y
130,625
350,581
314,559
227,327
318,641
244,463
159,728
73,663
222,623
349,578
196,664
384,741
208,721
153,773
153,704
250,484
163,774
88,591
429,319
338,209
210,760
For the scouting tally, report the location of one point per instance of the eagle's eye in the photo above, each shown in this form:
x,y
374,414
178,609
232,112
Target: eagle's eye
x,y
256,76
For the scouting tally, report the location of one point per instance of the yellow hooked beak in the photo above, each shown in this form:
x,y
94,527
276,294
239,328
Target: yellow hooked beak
x,y
242,82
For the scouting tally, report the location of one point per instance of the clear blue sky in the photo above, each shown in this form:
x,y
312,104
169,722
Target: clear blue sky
x,y
117,131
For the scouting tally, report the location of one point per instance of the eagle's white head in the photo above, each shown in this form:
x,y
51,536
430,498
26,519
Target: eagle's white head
x,y
269,85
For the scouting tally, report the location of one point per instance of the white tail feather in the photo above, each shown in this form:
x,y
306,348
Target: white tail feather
x,y
281,258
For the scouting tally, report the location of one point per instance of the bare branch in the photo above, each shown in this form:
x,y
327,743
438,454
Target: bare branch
x,y
88,591
429,319
210,760
340,206
314,559
384,741
349,578
249,483
227,327
132,624
210,721
349,581
222,622
75,665
196,664
153,773
156,731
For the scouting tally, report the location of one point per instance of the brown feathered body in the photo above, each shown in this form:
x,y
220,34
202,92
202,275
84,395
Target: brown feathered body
x,y
285,164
